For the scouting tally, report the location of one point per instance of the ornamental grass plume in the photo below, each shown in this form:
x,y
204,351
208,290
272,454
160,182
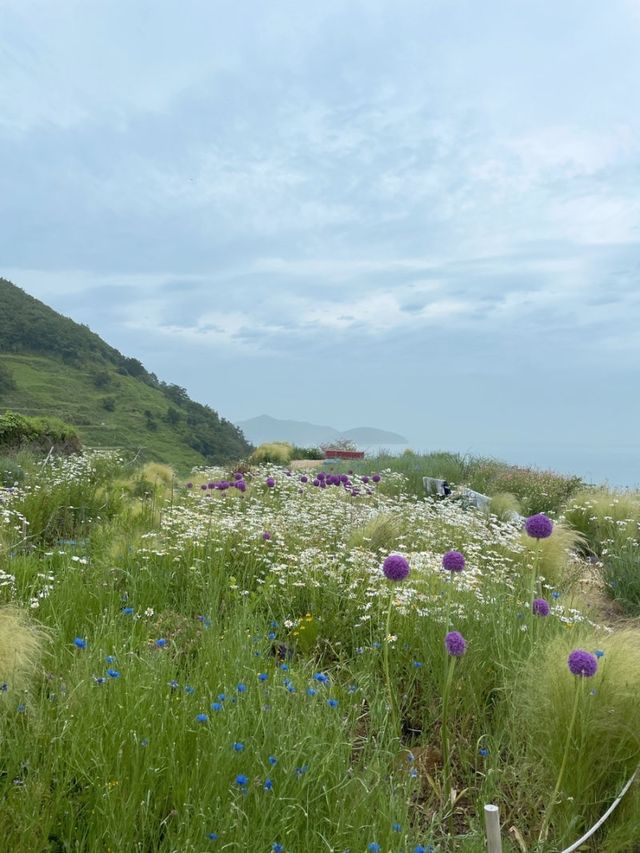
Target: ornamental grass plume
x,y
21,648
569,707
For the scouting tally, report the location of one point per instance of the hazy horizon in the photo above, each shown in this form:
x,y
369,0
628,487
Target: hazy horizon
x,y
422,218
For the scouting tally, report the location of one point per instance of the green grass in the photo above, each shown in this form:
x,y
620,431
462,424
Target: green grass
x,y
145,605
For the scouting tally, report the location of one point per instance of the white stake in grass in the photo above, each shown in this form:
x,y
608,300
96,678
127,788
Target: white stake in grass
x,y
492,826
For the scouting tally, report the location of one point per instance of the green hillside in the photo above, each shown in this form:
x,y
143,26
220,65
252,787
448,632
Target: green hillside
x,y
50,365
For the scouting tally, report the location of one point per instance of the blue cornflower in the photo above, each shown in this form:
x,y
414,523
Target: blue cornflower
x,y
113,673
161,643
420,848
80,643
272,760
284,667
189,690
4,687
21,709
599,653
276,847
483,751
311,691
268,785
262,676
202,718
144,742
300,771
396,827
322,677
555,595
352,688
374,847
242,780
417,664
241,688
332,703
274,624
221,697
238,746
413,773
213,836
99,679
109,659
375,645
173,684
127,611
271,635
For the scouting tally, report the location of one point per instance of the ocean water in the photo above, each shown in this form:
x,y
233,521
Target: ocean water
x,y
619,467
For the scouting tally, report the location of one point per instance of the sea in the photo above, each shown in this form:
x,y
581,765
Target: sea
x,y
616,467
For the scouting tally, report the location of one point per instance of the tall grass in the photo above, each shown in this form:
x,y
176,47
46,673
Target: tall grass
x,y
202,680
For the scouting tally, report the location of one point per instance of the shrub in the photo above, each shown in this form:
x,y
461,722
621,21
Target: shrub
x,y
18,431
606,745
382,533
306,452
21,648
504,505
278,452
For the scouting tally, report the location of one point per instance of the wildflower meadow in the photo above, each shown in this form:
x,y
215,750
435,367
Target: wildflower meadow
x,y
264,659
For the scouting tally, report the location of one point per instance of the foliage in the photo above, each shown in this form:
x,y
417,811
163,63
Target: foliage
x,y
17,431
307,452
60,368
234,683
278,452
504,506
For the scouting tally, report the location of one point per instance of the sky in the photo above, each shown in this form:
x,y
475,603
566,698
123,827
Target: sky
x,y
422,216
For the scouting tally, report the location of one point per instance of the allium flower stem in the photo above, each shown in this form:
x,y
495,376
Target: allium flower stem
x,y
387,673
532,588
444,729
544,830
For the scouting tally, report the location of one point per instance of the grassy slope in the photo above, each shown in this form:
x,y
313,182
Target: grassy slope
x,y
47,386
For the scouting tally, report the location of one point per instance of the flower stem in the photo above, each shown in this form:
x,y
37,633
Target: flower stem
x,y
387,674
544,830
444,730
532,589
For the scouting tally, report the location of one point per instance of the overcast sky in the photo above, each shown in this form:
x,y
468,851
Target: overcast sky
x,y
420,215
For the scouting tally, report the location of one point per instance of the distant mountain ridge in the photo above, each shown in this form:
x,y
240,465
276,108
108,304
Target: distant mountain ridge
x,y
51,365
265,428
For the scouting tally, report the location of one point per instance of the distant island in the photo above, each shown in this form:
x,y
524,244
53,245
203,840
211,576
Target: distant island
x,y
264,428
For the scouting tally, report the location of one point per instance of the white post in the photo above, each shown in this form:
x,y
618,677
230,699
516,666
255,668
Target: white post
x,y
492,825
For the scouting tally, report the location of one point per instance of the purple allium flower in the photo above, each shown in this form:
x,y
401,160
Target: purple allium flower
x,y
540,607
304,479
455,643
270,482
582,663
365,480
241,486
211,485
321,475
376,478
395,567
189,485
204,487
316,482
344,478
453,561
266,535
539,526
237,475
